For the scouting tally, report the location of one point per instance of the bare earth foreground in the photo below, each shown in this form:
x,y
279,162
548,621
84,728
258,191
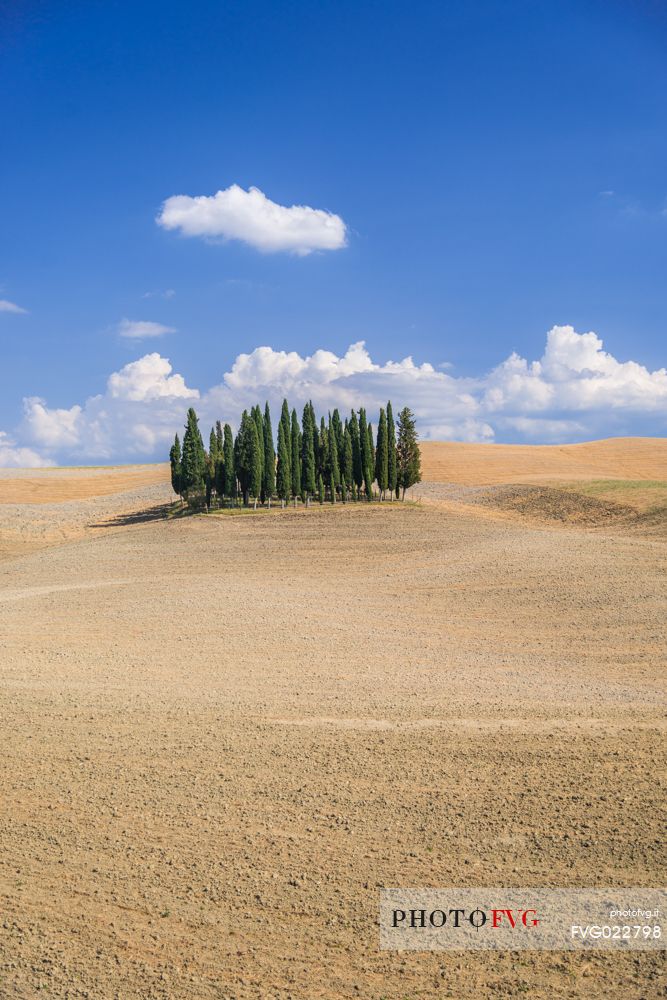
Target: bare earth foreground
x,y
222,734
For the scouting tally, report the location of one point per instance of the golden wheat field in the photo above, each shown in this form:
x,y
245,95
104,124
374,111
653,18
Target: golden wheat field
x,y
224,733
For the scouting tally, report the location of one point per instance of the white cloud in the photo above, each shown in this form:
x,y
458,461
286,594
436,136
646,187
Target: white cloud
x,y
10,307
575,391
148,378
137,415
139,329
19,457
252,218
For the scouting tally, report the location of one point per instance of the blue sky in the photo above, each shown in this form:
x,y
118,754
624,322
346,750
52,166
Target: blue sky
x,y
498,168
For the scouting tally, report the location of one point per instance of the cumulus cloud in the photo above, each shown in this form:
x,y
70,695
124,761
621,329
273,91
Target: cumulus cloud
x,y
10,307
252,218
139,329
574,391
136,417
17,457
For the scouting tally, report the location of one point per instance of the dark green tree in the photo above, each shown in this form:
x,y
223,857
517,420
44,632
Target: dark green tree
x,y
219,438
229,488
357,466
283,479
193,460
391,452
247,459
366,454
322,451
320,489
175,464
337,427
309,483
295,445
333,463
382,455
346,468
256,414
408,458
285,421
269,471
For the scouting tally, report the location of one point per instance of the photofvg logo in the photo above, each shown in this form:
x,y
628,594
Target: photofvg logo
x,y
515,919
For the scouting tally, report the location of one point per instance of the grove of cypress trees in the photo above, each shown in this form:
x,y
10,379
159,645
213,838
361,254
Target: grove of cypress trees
x,y
175,464
408,458
269,472
392,483
295,444
229,488
193,459
382,456
283,478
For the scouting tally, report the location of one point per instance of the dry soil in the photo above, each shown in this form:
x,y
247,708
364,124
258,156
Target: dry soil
x,y
223,734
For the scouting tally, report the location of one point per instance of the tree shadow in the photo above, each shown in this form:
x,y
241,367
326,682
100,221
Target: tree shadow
x,y
160,512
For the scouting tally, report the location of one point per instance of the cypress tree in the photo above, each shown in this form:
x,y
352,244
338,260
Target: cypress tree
x,y
308,452
193,459
248,458
316,437
334,465
408,458
209,477
256,414
382,456
175,464
219,438
357,467
346,461
241,456
213,444
254,461
269,474
338,431
320,488
295,442
283,482
366,454
229,488
322,452
391,452
332,486
285,421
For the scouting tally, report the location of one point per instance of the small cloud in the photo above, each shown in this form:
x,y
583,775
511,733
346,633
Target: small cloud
x,y
168,293
10,307
252,218
606,194
139,329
